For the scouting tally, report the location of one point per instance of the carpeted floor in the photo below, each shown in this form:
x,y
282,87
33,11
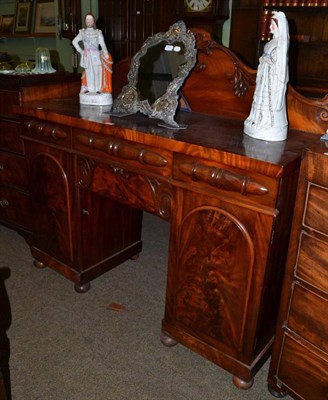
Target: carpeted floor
x,y
69,346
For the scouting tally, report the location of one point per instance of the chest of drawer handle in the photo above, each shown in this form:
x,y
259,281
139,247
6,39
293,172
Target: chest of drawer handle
x,y
223,179
4,203
2,167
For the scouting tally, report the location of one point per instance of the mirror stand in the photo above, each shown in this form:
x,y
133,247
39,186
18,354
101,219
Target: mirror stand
x,y
157,72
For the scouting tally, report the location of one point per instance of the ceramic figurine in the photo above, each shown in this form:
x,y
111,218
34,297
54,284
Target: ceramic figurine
x,y
96,81
268,117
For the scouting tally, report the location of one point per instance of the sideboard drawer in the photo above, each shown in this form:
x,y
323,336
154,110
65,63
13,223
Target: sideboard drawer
x,y
315,214
13,170
220,178
308,316
10,136
48,132
312,262
126,154
303,369
14,207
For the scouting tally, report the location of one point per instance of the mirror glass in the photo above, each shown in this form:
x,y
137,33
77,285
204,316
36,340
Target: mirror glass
x,y
157,72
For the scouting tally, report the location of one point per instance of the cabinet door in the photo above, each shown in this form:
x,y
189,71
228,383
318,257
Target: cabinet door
x,y
107,232
218,255
51,198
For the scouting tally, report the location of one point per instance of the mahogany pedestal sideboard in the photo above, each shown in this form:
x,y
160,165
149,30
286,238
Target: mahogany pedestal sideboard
x,y
299,364
14,90
228,198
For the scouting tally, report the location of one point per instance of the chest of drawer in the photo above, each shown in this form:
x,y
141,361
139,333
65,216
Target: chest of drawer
x,y
209,176
127,155
10,140
13,170
14,207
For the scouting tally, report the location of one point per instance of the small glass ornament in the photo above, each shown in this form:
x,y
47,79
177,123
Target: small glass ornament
x,y
43,62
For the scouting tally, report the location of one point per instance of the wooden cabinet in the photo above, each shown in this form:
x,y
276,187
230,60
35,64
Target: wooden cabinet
x,y
69,18
14,188
299,363
127,24
230,216
79,233
308,27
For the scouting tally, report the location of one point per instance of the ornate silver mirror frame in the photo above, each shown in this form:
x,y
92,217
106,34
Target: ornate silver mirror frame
x,y
164,107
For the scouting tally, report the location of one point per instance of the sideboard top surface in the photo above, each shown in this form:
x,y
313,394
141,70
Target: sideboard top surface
x,y
205,136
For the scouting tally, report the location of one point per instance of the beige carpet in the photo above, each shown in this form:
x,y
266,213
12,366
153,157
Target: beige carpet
x,y
69,346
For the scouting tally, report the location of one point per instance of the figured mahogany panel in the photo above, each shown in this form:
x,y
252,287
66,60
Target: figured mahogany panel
x,y
215,258
51,206
124,186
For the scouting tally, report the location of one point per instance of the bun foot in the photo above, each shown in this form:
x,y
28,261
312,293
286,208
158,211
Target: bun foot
x,y
82,288
39,264
277,393
242,384
167,340
135,257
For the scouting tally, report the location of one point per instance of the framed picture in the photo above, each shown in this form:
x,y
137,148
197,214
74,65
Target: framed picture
x,y
7,23
45,19
23,17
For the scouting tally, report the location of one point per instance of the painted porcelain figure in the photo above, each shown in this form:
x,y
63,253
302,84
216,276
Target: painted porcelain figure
x,y
268,117
96,83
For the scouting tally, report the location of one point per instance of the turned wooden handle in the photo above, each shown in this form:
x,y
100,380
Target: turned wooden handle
x,y
46,130
124,150
4,203
223,179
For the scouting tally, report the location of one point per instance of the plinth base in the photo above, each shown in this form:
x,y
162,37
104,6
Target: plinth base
x,y
96,99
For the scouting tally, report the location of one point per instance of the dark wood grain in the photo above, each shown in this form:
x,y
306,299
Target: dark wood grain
x,y
300,356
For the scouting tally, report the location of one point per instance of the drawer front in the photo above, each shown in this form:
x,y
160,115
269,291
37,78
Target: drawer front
x,y
220,178
312,263
13,170
308,316
137,157
14,207
7,99
315,211
303,370
137,190
10,140
47,132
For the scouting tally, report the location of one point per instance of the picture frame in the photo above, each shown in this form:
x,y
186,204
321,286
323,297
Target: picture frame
x,y
7,23
23,16
45,18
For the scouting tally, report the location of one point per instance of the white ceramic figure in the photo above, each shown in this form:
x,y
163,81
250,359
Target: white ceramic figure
x,y
96,81
268,117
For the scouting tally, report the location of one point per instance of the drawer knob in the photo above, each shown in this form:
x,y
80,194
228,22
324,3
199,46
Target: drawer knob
x,y
2,167
85,211
4,203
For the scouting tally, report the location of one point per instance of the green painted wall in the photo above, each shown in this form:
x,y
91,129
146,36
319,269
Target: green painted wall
x,y
23,49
